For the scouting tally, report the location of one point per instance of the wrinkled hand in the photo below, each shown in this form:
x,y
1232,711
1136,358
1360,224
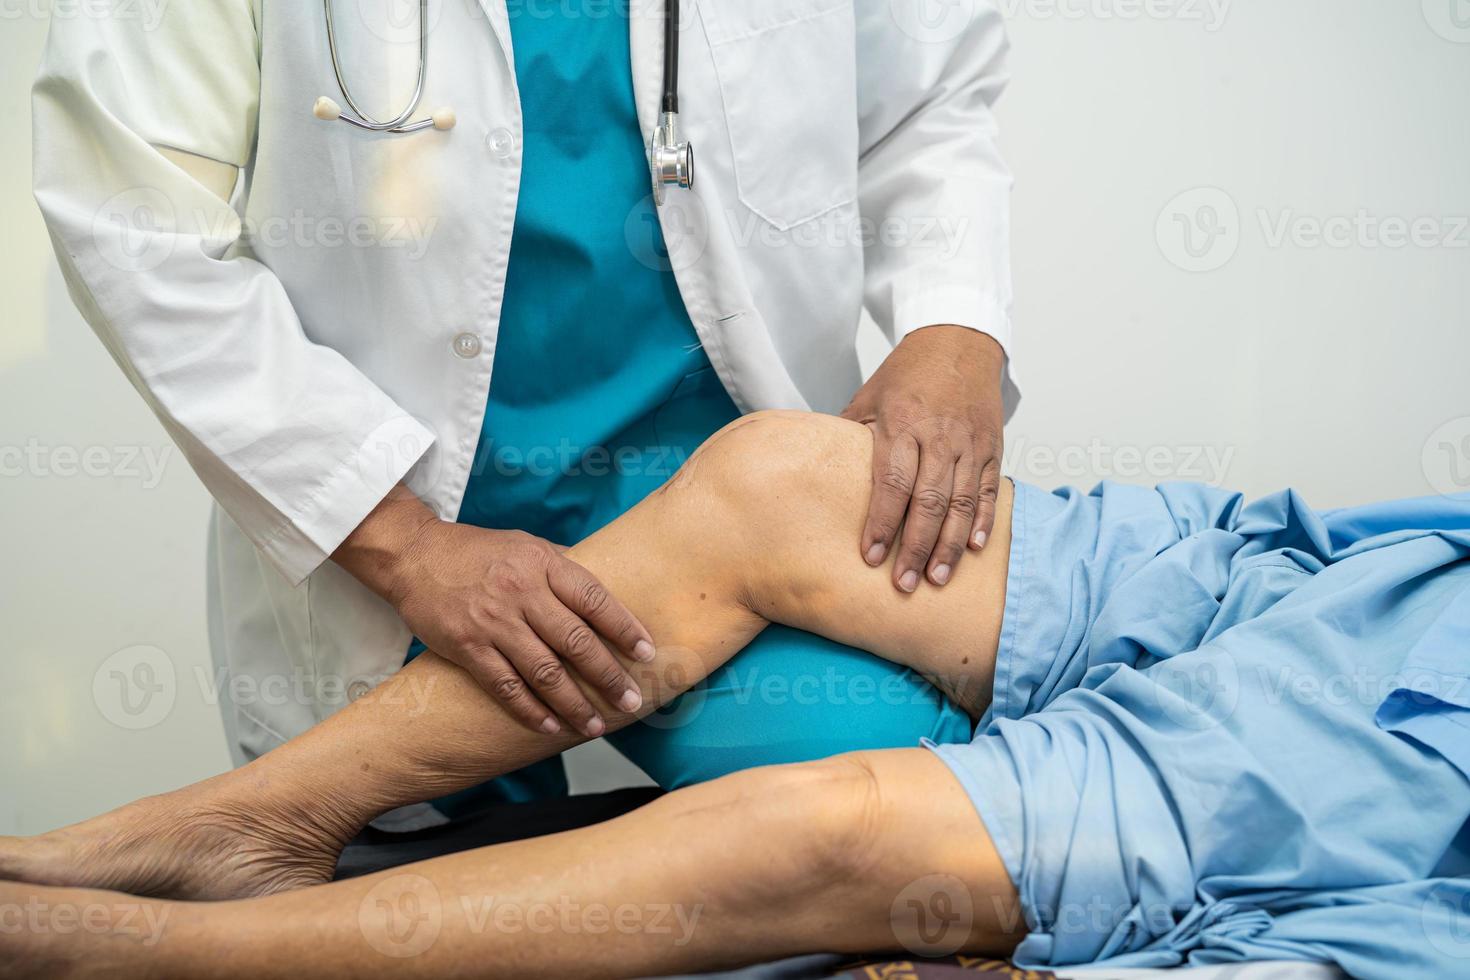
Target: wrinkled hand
x,y
935,410
505,606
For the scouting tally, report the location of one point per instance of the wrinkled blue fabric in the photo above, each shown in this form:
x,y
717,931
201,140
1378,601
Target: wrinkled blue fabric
x,y
1225,731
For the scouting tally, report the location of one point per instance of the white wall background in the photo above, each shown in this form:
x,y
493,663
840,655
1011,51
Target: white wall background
x,y
1342,369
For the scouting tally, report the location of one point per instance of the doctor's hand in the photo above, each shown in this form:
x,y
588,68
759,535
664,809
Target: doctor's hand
x,y
936,413
505,606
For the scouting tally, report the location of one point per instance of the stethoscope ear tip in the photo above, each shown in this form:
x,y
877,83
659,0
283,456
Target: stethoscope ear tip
x,y
444,118
326,110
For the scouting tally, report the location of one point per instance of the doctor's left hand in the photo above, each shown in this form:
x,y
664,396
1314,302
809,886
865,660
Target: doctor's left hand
x,y
937,417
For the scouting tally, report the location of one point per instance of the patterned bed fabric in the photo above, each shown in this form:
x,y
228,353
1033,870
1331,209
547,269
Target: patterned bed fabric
x,y
950,968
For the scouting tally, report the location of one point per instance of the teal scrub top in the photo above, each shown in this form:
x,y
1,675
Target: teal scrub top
x,y
594,338
600,386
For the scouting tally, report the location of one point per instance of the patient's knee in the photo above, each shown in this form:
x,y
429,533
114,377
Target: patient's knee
x,y
824,816
775,462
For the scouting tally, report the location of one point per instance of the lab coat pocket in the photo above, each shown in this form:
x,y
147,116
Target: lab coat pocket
x,y
788,76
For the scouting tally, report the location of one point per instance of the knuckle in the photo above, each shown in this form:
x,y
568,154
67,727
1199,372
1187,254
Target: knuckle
x,y
905,417
950,553
507,687
579,641
534,553
917,556
627,629
963,505
463,639
883,526
547,675
931,503
989,492
940,440
610,678
593,597
896,481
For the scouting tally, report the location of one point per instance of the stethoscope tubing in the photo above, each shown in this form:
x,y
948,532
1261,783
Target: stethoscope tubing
x,y
671,159
363,120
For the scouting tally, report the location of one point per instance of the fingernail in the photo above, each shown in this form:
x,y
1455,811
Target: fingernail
x,y
909,582
941,574
643,651
595,727
980,538
631,701
550,727
875,553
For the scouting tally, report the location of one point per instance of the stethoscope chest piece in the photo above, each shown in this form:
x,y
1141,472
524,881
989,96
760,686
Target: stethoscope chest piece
x,y
670,159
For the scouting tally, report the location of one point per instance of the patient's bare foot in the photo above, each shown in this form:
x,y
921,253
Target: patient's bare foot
x,y
210,841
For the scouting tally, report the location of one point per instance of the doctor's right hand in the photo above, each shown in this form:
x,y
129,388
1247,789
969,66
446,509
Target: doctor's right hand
x,y
505,606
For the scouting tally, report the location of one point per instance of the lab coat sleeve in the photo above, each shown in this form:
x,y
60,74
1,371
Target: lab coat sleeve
x,y
933,189
295,444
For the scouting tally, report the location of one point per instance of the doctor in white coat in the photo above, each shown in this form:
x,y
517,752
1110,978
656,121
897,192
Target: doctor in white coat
x,y
409,367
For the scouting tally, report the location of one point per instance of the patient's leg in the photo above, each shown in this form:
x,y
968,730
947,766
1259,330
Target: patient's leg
x,y
862,853
757,527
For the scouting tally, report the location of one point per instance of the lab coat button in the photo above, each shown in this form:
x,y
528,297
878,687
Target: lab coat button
x,y
502,142
467,345
357,689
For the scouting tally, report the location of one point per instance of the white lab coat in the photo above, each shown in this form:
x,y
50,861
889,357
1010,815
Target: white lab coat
x,y
333,330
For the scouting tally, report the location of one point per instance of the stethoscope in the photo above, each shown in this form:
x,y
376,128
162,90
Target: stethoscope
x,y
670,159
